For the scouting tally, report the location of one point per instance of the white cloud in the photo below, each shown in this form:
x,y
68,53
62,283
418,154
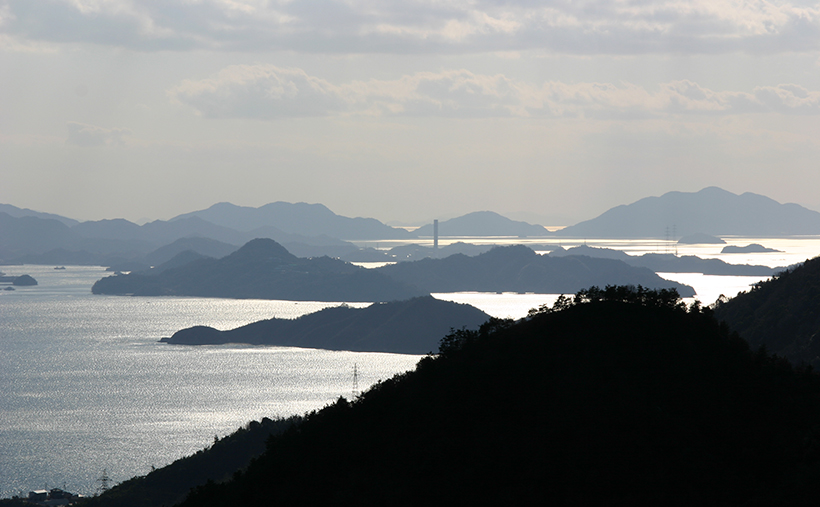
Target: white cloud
x,y
269,92
82,134
261,91
421,26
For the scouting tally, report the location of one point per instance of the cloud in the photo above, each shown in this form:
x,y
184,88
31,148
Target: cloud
x,y
421,26
270,92
82,134
263,92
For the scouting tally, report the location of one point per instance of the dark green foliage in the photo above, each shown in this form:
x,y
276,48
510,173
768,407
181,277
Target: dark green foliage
x,y
782,314
603,403
170,484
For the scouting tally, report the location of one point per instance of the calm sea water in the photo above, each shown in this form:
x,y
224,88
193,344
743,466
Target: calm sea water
x,y
85,386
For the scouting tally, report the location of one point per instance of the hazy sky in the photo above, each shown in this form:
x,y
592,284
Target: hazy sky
x,y
402,109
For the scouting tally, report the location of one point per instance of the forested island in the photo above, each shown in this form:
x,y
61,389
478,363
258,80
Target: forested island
x,y
262,269
265,269
670,263
401,327
616,396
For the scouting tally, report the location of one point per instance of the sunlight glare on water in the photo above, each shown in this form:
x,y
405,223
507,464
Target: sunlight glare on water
x,y
86,386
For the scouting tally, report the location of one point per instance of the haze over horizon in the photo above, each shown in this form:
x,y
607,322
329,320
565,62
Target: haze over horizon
x,y
403,111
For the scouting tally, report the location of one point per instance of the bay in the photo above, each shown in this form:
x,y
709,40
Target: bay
x,y
85,386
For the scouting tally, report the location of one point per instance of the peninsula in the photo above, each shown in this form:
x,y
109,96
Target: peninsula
x,y
413,326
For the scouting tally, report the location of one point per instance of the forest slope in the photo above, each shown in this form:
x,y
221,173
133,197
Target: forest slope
x,y
782,314
603,403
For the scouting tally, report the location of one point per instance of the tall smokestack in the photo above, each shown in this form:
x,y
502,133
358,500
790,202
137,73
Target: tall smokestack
x,y
435,236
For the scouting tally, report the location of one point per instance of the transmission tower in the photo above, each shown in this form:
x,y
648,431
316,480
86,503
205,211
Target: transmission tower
x,y
104,481
355,381
674,237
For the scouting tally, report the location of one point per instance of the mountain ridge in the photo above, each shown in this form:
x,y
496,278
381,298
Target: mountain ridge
x,y
711,211
262,269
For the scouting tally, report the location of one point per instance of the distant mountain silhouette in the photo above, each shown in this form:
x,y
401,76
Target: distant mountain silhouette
x,y
16,212
412,326
782,314
263,269
199,247
36,240
297,218
203,246
710,211
670,263
33,235
72,257
520,269
482,223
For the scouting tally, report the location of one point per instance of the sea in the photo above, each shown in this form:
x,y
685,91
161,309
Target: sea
x,y
86,388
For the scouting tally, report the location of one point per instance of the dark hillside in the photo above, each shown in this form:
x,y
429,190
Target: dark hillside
x,y
169,485
412,326
782,313
603,403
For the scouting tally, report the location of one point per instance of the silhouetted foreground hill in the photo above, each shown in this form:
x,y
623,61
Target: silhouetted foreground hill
x,y
262,269
782,313
520,269
603,403
170,484
404,327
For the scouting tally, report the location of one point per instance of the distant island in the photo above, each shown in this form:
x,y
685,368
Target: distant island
x,y
413,326
752,248
262,269
20,281
295,218
519,269
483,223
711,211
670,263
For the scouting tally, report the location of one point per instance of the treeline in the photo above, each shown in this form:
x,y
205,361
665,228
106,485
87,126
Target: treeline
x,y
781,314
623,397
169,485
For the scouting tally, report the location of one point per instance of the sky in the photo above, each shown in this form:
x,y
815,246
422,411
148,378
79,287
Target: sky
x,y
404,110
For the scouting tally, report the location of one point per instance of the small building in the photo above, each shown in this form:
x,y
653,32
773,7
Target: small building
x,y
39,495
